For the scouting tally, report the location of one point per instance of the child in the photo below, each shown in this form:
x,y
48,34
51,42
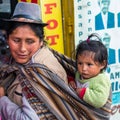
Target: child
x,y
91,83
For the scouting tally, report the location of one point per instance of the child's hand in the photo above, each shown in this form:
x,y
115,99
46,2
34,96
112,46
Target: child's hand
x,y
73,85
78,90
2,91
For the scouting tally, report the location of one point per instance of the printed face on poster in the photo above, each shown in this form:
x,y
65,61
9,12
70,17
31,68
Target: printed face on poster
x,y
102,17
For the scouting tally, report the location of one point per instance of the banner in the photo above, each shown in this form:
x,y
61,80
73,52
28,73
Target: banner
x,y
52,14
102,17
32,1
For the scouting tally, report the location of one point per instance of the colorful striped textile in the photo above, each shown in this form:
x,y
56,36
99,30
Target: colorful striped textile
x,y
48,94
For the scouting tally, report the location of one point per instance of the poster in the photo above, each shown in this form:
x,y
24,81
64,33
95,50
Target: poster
x,y
102,17
52,14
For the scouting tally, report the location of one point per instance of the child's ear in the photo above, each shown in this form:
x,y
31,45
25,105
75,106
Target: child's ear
x,y
103,65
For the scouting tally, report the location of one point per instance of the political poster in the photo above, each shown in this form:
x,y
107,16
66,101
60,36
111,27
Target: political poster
x,y
102,17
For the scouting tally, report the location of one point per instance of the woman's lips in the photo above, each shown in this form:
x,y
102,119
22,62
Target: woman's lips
x,y
22,56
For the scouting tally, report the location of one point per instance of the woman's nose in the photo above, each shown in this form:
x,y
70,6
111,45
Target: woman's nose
x,y
23,47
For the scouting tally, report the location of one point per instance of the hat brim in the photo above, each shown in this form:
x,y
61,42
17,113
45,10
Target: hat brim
x,y
22,20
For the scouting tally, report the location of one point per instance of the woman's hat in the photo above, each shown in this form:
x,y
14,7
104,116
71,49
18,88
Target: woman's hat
x,y
27,13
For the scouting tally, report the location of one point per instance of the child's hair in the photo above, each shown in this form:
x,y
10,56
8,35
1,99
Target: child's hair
x,y
93,45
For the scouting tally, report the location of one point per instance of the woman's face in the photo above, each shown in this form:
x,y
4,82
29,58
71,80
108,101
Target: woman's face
x,y
23,44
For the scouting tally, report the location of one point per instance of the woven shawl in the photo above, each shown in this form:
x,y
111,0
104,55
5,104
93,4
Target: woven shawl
x,y
48,94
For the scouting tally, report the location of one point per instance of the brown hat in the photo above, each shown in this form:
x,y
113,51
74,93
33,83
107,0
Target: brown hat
x,y
26,12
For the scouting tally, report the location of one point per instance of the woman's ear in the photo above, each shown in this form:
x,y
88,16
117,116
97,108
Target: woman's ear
x,y
7,41
41,44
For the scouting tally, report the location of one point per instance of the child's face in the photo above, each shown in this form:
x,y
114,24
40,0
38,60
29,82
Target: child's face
x,y
87,67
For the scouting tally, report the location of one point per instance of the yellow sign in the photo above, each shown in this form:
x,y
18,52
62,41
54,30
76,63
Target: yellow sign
x,y
51,14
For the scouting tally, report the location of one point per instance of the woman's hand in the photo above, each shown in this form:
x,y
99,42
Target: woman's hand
x,y
2,91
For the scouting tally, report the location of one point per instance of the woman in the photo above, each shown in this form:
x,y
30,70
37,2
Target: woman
x,y
26,43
